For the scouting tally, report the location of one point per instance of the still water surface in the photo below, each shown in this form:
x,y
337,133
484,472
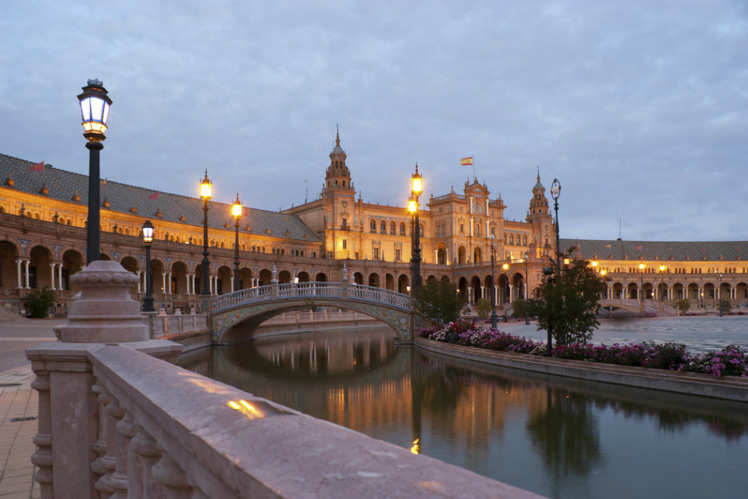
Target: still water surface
x,y
557,437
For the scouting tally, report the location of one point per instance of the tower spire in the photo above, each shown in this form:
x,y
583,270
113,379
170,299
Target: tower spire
x,y
538,173
337,134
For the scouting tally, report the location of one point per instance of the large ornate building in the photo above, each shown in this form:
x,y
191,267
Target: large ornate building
x,y
42,240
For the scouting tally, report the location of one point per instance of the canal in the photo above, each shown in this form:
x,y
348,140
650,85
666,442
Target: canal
x,y
558,437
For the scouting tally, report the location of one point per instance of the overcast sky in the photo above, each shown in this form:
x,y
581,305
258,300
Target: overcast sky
x,y
640,108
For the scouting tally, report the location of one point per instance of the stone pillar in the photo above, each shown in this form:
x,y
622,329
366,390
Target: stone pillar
x,y
70,434
168,284
482,291
469,294
140,281
187,279
18,273
52,276
163,283
511,288
496,295
27,262
232,282
59,276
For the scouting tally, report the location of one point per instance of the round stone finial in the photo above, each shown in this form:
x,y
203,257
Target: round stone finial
x,y
104,273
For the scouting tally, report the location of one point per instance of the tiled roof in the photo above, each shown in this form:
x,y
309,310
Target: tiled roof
x,y
62,185
659,250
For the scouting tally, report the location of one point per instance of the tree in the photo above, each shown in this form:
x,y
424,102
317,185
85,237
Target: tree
x,y
569,304
683,305
37,303
438,301
724,307
521,308
484,308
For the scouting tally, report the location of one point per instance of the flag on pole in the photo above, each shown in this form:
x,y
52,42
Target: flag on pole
x,y
37,167
638,248
466,161
153,196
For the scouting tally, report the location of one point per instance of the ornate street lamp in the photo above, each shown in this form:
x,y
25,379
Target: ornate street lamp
x,y
555,194
494,315
641,288
206,192
415,234
94,103
416,188
527,286
236,212
147,240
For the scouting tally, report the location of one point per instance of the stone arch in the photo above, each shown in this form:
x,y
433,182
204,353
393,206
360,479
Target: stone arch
x,y
618,291
303,276
72,262
445,279
245,278
130,263
693,291
709,292
40,272
389,281
374,279
320,277
284,276
223,283
647,291
725,291
461,255
179,278
662,291
741,293
476,288
8,265
358,278
679,292
266,277
503,289
402,283
632,291
157,270
518,286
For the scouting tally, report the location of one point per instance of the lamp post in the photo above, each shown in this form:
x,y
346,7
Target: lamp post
x,y
416,188
494,315
206,192
236,212
527,286
641,288
505,267
94,103
555,194
147,240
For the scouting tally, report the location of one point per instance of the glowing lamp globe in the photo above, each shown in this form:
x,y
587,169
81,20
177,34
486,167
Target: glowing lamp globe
x,y
412,206
416,183
236,208
206,188
555,189
147,232
95,104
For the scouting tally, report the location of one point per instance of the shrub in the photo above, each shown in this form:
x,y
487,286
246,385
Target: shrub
x,y
37,303
438,301
484,308
683,305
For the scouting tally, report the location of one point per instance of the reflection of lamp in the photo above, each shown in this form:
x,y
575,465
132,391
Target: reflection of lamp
x,y
147,240
206,192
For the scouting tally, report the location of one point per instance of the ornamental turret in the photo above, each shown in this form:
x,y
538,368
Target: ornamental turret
x,y
337,176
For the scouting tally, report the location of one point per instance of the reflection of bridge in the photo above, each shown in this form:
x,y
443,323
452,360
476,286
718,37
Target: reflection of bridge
x,y
647,307
248,308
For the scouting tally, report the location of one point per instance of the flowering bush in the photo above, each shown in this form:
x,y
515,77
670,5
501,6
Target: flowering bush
x,y
730,361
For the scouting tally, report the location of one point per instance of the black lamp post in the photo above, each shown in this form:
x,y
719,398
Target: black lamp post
x,y
494,315
555,194
527,288
236,212
206,192
416,188
94,103
147,240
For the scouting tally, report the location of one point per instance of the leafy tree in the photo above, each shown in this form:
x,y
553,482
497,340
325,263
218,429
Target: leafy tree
x,y
37,303
683,305
484,308
569,304
521,308
438,301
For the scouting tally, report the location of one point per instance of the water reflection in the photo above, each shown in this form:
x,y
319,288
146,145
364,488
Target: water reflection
x,y
558,437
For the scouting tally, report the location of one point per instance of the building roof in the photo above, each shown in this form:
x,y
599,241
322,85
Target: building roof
x,y
658,250
63,185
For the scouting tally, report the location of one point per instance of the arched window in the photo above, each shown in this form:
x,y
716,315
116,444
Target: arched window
x,y
524,240
393,228
373,226
383,227
511,238
402,229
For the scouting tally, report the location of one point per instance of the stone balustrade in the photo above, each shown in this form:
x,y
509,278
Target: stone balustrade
x,y
169,325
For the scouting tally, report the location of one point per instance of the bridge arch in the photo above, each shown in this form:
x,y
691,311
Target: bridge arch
x,y
239,314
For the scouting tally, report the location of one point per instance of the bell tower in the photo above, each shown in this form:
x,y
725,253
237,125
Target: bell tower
x,y
337,176
538,217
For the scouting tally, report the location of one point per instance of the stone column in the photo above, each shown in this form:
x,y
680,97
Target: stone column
x,y
232,282
511,290
482,291
168,283
59,276
42,458
187,279
27,262
470,294
52,276
140,281
18,273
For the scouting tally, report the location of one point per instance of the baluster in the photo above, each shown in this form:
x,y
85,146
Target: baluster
x,y
98,465
42,458
119,480
168,473
113,413
140,463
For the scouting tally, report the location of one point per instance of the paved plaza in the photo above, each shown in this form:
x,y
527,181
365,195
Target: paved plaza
x,y
18,403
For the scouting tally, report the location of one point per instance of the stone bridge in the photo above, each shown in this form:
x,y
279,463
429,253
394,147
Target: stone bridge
x,y
646,307
248,308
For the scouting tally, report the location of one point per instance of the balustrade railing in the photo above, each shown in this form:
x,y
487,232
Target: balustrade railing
x,y
161,326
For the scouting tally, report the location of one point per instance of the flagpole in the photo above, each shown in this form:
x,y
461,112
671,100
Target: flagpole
x,y
474,166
